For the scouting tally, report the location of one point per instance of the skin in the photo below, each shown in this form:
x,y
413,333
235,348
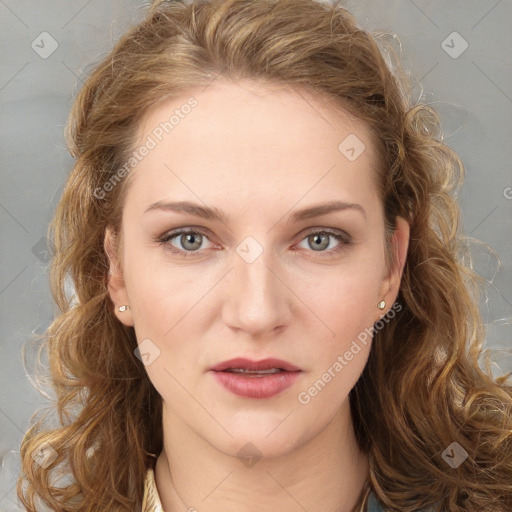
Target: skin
x,y
258,153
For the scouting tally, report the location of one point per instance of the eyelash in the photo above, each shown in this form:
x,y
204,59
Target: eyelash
x,y
341,236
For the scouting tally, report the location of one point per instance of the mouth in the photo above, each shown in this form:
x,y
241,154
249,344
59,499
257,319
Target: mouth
x,y
254,373
249,367
256,379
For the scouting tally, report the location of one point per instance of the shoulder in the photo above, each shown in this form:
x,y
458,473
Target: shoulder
x,y
374,505
151,500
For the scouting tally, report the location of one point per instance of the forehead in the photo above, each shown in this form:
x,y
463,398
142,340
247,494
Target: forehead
x,y
246,137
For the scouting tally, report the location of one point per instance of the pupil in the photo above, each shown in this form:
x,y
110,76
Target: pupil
x,y
191,238
318,239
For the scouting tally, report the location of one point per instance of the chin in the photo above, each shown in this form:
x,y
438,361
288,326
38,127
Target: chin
x,y
256,447
268,439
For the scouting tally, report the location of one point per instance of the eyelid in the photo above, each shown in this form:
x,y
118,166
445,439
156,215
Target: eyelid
x,y
330,231
341,236
166,237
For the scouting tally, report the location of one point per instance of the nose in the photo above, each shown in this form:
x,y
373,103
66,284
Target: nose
x,y
258,296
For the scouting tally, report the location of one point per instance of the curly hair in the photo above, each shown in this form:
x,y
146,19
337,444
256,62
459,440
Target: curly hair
x,y
423,387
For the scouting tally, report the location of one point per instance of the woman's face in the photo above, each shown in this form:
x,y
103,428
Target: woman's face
x,y
266,276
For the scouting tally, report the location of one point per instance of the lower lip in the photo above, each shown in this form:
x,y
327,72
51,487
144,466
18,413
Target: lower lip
x,y
257,387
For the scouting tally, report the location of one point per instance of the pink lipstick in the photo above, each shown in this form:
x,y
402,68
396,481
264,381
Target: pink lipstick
x,y
256,379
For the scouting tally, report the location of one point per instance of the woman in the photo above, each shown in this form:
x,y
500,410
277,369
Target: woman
x,y
269,310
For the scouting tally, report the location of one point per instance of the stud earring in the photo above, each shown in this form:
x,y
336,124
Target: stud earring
x,y
381,304
124,308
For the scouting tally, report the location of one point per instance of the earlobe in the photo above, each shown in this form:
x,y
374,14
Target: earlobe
x,y
116,284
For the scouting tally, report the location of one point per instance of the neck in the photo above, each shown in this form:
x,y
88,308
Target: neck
x,y
327,472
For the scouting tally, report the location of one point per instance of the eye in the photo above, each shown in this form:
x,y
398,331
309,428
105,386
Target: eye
x,y
188,240
319,240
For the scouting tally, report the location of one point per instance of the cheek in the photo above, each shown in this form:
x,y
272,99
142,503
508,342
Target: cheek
x,y
345,297
163,313
342,339
343,303
158,292
340,299
167,309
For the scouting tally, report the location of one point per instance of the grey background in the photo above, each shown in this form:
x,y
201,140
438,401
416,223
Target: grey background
x,y
472,92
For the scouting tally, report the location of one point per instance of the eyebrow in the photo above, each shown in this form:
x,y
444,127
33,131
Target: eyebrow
x,y
212,213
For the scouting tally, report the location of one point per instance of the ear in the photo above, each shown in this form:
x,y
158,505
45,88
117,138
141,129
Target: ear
x,y
390,284
116,285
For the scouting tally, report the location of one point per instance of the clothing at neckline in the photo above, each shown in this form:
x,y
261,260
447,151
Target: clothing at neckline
x,y
152,503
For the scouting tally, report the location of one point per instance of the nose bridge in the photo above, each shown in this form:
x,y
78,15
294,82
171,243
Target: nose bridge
x,y
257,298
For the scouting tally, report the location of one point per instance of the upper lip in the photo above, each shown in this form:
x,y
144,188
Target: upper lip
x,y
248,364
